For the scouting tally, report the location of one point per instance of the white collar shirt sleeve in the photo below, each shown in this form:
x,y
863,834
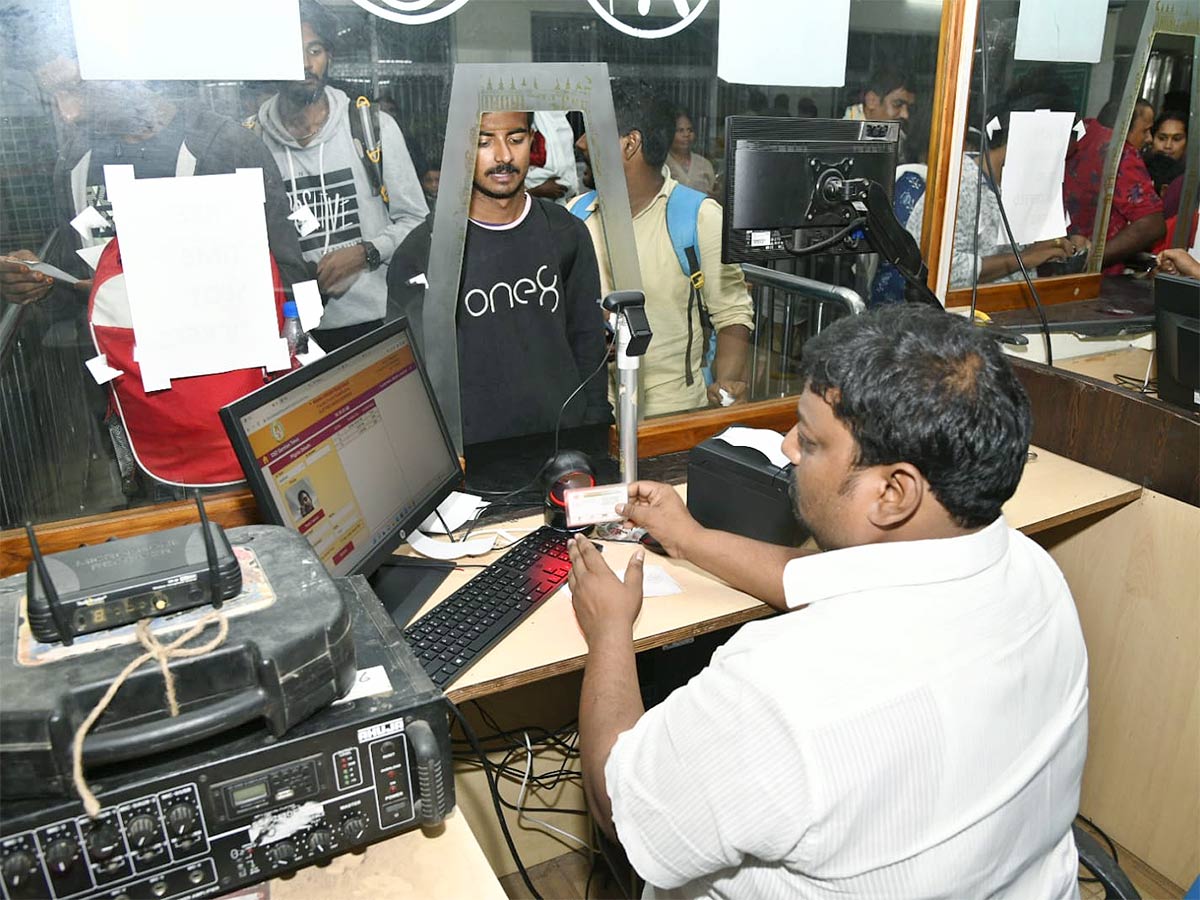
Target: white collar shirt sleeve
x,y
918,730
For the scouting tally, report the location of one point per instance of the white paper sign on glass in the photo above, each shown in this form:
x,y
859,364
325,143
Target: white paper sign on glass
x,y
1061,30
198,273
784,42
1032,181
226,40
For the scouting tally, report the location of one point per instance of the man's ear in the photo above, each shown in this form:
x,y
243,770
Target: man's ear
x,y
631,144
902,490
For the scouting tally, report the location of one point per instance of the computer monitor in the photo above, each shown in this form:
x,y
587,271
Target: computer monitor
x,y
352,451
792,185
1177,340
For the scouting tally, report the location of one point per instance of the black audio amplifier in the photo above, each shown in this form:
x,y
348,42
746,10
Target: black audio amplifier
x,y
107,585
246,807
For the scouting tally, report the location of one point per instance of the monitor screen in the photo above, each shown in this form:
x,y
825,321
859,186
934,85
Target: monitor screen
x,y
351,450
1177,340
777,190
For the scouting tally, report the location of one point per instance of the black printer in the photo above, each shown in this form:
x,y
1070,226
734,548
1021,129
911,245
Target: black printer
x,y
738,489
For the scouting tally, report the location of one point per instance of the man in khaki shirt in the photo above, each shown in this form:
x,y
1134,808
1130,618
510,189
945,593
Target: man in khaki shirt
x,y
646,125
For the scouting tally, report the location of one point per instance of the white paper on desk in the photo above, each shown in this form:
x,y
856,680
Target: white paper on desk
x,y
427,546
223,40
89,219
656,582
308,304
767,442
91,255
197,272
1061,30
1033,174
456,510
796,43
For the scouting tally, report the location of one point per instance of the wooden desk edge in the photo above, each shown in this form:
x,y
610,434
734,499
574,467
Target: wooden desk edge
x,y
561,667
541,673
1083,511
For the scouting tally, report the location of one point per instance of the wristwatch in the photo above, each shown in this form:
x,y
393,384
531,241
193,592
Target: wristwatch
x,y
373,259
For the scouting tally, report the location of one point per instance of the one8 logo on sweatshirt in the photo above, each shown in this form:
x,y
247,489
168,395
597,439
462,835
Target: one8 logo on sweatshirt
x,y
522,292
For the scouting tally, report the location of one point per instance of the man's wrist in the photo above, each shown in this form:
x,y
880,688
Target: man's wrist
x,y
610,634
371,257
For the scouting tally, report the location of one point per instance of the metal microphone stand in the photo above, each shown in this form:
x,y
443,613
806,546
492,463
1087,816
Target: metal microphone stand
x,y
632,337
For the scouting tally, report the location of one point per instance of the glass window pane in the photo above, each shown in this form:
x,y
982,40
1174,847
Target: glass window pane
x,y
64,452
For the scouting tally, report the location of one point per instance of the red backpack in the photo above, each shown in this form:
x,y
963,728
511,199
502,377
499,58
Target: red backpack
x,y
176,434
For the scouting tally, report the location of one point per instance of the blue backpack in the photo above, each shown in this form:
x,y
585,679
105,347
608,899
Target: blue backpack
x,y
683,212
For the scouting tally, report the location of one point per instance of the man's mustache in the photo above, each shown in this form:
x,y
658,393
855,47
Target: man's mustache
x,y
503,169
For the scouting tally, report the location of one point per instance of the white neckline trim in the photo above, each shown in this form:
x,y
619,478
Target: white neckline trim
x,y
508,225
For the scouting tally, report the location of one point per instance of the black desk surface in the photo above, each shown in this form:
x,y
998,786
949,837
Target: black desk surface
x,y
1125,306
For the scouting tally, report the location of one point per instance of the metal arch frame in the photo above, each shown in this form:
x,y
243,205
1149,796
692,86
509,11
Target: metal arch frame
x,y
486,87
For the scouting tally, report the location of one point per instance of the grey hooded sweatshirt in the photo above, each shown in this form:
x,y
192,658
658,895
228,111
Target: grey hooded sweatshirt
x,y
328,177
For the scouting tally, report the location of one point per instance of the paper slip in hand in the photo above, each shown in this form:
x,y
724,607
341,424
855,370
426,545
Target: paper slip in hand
x,y
587,506
45,268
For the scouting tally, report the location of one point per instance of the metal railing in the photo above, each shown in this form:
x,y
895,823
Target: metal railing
x,y
788,306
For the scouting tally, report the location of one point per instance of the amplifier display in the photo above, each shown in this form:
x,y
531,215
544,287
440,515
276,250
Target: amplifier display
x,y
246,808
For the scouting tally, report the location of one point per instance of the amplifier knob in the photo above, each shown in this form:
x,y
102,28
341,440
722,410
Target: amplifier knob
x,y
142,830
180,818
283,853
320,841
61,855
102,842
16,868
354,827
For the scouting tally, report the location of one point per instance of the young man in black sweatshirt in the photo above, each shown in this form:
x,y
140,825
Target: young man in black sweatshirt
x,y
530,328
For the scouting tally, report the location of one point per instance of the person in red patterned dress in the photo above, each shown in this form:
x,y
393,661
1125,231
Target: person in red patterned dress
x,y
1136,222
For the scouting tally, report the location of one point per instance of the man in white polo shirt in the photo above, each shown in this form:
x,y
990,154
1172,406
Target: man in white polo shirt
x,y
916,724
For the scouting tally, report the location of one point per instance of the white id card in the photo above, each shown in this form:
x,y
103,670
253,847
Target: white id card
x,y
587,506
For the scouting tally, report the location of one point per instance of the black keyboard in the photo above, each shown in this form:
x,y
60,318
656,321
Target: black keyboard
x,y
455,633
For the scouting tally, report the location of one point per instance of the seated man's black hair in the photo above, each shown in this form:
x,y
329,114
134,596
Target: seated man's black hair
x,y
919,385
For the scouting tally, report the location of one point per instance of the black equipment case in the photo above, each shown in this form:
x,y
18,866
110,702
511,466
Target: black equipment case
x,y
738,489
289,653
243,807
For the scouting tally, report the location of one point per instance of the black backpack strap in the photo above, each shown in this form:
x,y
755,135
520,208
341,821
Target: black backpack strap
x,y
695,298
370,155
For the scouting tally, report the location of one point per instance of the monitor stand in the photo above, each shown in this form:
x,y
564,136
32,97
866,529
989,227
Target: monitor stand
x,y
404,583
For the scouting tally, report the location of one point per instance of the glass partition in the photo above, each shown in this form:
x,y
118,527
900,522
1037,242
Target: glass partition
x,y
1008,93
63,452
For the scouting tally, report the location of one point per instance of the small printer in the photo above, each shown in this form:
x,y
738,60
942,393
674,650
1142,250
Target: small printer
x,y
738,489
